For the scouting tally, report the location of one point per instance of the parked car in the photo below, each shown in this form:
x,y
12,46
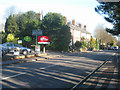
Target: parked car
x,y
11,47
114,48
3,50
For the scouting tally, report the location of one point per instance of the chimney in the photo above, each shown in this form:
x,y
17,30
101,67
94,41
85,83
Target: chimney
x,y
65,19
79,25
85,27
40,15
73,22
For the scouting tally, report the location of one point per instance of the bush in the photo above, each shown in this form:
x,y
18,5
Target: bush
x,y
78,44
84,44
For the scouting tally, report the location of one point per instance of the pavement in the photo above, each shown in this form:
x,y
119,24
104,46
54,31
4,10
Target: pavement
x,y
107,77
14,59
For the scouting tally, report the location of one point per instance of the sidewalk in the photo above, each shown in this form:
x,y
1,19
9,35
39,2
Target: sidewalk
x,y
30,58
107,77
21,59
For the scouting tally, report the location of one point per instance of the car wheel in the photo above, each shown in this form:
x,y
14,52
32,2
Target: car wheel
x,y
25,52
32,51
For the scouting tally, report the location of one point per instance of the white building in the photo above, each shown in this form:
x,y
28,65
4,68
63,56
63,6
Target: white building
x,y
78,32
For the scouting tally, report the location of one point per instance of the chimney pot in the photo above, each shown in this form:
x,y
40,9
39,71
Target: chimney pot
x,y
85,27
40,15
79,25
73,22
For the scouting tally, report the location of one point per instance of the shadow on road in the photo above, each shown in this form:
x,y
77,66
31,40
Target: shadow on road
x,y
72,68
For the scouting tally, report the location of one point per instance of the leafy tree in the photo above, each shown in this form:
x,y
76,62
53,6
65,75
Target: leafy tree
x,y
84,44
92,43
11,38
53,25
96,44
11,25
112,43
110,11
27,22
4,36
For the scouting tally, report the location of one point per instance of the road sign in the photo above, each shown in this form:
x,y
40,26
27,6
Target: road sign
x,y
37,48
27,38
19,41
36,32
43,40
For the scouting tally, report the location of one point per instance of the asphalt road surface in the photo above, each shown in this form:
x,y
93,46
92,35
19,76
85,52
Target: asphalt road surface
x,y
59,71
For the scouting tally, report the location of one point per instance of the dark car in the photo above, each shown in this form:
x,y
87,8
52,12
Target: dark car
x,y
3,50
11,47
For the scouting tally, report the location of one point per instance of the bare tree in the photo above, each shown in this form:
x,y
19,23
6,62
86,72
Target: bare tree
x,y
103,36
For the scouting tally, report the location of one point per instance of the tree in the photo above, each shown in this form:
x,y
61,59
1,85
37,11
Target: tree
x,y
4,36
11,25
96,44
53,25
110,12
27,22
22,25
103,36
92,43
84,44
11,38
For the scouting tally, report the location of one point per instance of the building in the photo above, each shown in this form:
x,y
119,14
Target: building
x,y
78,33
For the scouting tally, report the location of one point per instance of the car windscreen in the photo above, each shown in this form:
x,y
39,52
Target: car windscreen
x,y
17,45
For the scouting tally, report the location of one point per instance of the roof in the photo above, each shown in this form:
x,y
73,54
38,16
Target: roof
x,y
78,28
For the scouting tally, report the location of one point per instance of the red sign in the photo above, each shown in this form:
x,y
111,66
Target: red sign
x,y
43,40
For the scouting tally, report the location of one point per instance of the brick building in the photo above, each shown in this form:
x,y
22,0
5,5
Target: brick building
x,y
78,32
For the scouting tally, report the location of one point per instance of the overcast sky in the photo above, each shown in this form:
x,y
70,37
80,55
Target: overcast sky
x,y
81,10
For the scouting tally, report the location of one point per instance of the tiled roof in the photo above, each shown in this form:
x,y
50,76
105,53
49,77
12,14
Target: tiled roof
x,y
78,28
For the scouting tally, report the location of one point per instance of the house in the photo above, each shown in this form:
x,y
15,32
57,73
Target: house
x,y
78,33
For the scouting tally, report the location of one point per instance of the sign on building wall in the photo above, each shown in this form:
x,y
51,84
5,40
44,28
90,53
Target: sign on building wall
x,y
43,40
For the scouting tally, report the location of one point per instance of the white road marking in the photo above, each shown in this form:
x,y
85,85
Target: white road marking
x,y
25,72
47,66
13,76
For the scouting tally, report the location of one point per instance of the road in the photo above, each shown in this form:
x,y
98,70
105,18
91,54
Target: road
x,y
58,71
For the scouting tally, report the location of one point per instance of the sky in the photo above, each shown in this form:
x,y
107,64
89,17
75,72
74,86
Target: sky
x,y
82,11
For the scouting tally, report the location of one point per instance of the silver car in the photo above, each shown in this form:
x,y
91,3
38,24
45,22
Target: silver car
x,y
13,46
3,50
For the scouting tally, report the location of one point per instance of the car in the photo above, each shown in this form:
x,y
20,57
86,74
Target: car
x,y
114,48
3,50
12,47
